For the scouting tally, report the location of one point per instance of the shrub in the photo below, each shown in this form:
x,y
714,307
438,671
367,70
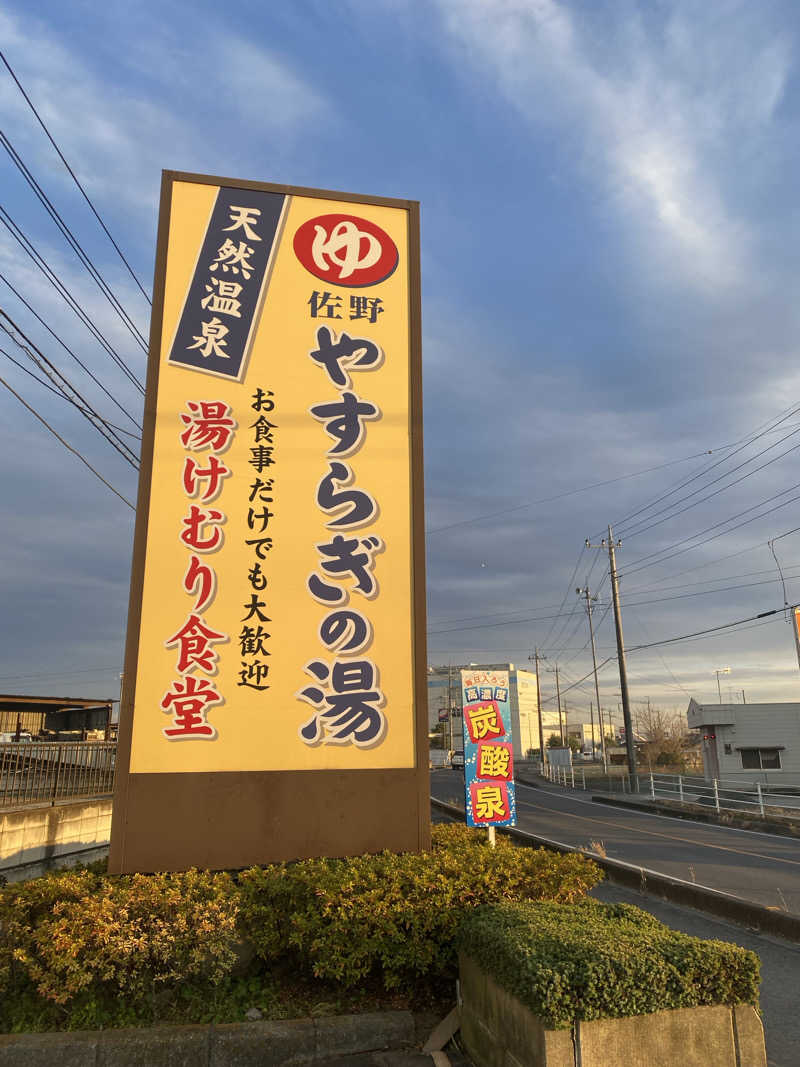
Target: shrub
x,y
599,961
79,937
395,916
81,949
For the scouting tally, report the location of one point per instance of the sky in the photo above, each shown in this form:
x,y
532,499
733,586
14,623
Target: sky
x,y
610,263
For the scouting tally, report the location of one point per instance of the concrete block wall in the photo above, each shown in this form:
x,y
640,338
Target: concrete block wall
x,y
499,1031
45,832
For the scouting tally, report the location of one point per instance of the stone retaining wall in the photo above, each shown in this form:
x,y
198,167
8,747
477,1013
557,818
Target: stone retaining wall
x,y
256,1044
499,1031
43,832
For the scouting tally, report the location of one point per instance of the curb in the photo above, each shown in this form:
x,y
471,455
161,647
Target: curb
x,y
252,1044
722,905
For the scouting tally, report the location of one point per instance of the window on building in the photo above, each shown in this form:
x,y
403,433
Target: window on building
x,y
760,759
728,749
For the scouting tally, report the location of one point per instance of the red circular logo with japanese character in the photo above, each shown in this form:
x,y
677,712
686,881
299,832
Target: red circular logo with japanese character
x,y
346,250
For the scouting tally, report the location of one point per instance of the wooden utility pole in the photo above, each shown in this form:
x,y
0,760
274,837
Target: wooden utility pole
x,y
590,600
591,721
558,698
449,709
630,743
539,702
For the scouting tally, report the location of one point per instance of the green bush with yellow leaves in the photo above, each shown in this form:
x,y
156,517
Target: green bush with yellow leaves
x,y
81,949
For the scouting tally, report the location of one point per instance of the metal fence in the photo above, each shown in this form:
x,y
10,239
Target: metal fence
x,y
577,778
32,772
753,797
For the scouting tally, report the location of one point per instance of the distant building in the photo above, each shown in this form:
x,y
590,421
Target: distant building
x,y
54,718
588,735
748,742
444,690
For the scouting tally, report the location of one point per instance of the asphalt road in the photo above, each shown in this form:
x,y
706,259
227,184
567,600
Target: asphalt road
x,y
759,867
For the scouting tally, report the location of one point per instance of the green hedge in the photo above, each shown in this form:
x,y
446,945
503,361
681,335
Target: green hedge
x,y
82,949
603,961
396,916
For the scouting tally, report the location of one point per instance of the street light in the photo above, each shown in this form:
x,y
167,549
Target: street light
x,y
718,672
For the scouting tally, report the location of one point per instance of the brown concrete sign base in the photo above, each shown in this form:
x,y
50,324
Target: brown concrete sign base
x,y
499,1031
253,1044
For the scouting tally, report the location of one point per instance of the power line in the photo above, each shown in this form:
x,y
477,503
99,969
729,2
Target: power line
x,y
63,384
704,592
682,637
494,625
633,532
600,666
69,447
643,559
74,177
559,636
60,674
63,344
586,644
73,242
764,428
666,665
711,563
710,630
38,259
492,615
60,394
778,538
568,492
689,585
570,586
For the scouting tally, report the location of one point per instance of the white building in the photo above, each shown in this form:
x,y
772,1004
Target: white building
x,y
749,742
444,688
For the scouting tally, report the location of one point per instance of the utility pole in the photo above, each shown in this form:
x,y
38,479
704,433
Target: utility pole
x,y
630,743
536,659
554,670
590,600
718,672
449,709
591,723
566,724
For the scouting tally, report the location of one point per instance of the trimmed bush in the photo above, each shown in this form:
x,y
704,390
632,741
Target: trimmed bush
x,y
82,949
395,916
602,961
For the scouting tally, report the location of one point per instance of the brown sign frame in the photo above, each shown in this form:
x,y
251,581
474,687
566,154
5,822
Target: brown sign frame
x,y
230,820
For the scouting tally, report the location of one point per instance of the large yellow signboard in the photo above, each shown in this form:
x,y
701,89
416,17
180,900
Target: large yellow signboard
x,y
277,579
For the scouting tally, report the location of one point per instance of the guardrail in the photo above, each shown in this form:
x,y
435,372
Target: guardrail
x,y
577,778
33,772
717,794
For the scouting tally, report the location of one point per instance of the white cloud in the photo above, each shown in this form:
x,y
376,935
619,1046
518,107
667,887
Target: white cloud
x,y
180,115
653,110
